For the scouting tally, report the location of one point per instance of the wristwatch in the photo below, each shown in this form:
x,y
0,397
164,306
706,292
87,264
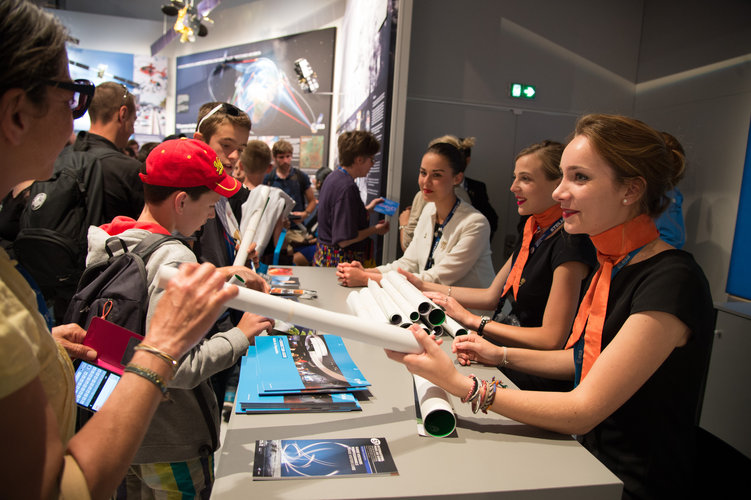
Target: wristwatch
x,y
483,321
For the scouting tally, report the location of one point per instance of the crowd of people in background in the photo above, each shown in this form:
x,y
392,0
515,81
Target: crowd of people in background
x,y
597,316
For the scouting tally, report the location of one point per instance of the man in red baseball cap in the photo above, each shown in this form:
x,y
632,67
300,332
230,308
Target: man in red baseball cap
x,y
182,181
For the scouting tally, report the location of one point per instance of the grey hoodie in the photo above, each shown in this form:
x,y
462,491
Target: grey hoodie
x,y
178,431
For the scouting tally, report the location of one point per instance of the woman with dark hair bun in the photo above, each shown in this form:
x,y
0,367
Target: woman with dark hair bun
x,y
641,339
451,242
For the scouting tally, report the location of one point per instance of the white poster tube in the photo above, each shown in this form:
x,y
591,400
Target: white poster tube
x,y
247,238
408,312
370,304
356,307
438,417
412,295
415,298
453,327
387,305
345,325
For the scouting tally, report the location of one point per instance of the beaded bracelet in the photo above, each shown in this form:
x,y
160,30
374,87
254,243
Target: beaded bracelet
x,y
473,391
172,362
149,375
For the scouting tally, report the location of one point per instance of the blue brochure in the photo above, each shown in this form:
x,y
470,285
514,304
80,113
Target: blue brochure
x,y
247,399
306,363
388,207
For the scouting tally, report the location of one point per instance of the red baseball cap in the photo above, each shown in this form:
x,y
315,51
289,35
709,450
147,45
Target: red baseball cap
x,y
184,163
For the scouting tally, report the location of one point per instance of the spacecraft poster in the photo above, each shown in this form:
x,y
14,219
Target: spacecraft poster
x,y
284,84
144,76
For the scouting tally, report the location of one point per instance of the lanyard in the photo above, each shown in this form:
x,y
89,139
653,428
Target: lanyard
x,y
437,233
534,246
579,346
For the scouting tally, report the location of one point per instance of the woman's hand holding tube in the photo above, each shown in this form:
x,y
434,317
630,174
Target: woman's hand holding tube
x,y
433,364
452,308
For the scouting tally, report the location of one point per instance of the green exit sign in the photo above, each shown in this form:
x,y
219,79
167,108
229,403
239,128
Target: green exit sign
x,y
523,91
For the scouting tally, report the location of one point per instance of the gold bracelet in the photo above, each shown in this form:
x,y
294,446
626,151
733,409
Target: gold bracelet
x,y
149,375
448,294
172,362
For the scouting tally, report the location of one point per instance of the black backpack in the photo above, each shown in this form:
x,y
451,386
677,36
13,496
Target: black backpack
x,y
117,289
51,243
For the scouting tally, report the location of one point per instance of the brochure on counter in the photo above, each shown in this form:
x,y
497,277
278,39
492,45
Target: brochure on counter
x,y
306,364
313,458
248,400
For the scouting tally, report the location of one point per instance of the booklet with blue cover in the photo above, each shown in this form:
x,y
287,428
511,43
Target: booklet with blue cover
x,y
248,400
306,363
306,458
387,207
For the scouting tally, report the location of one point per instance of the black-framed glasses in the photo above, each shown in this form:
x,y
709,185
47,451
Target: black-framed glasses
x,y
226,107
83,92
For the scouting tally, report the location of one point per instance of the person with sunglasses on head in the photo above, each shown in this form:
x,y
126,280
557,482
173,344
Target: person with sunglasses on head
x,y
225,128
44,458
639,348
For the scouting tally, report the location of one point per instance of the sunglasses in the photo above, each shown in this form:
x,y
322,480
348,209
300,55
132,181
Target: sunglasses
x,y
83,91
227,108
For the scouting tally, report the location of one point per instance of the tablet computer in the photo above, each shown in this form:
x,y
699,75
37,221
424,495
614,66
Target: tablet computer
x,y
94,385
114,345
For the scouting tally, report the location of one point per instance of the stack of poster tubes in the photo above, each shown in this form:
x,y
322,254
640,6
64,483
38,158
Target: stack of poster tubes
x,y
398,302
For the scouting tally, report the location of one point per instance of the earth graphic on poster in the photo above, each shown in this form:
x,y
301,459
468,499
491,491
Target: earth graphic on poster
x,y
260,88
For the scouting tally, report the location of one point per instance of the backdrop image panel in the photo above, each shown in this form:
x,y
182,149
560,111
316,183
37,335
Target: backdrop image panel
x,y
260,78
144,76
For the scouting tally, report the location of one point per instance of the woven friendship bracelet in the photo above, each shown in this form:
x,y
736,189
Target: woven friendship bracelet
x,y
476,403
172,362
472,394
149,375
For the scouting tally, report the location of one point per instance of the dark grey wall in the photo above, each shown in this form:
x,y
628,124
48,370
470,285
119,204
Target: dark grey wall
x,y
464,56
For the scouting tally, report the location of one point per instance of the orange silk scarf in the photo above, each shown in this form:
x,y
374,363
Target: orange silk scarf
x,y
612,247
544,219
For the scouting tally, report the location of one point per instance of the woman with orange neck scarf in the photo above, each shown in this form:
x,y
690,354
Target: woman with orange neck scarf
x,y
541,281
641,339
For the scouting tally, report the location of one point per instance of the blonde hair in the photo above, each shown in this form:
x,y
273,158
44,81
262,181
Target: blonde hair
x,y
550,153
463,144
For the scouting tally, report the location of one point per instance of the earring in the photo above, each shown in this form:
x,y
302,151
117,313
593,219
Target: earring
x,y
625,200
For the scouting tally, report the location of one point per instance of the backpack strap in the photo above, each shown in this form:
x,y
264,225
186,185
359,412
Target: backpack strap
x,y
109,244
143,249
149,244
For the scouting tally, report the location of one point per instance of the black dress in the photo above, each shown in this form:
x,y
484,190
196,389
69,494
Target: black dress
x,y
649,442
532,298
